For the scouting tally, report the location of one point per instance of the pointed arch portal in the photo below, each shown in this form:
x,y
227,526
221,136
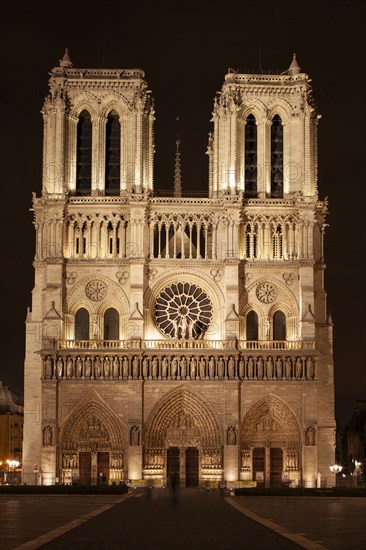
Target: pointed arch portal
x,y
92,446
270,443
183,440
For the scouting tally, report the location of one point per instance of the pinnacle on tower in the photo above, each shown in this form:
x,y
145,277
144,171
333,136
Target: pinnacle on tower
x,y
294,68
66,61
177,170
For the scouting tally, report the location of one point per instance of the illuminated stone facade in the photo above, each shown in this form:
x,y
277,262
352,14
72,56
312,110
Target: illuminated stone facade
x,y
179,336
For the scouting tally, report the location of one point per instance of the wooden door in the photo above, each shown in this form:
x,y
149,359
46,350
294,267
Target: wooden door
x,y
192,467
85,468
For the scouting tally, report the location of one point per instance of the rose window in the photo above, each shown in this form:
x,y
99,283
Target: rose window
x,y
183,310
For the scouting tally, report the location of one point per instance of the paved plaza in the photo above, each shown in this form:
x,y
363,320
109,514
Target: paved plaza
x,y
189,519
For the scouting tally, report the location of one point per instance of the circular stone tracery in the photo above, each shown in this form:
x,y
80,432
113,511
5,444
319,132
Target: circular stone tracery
x,y
183,310
266,293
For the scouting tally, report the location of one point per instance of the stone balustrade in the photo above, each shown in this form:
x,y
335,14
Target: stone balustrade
x,y
176,344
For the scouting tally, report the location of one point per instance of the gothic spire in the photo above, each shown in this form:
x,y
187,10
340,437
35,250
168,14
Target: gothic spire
x,y
66,61
294,68
177,169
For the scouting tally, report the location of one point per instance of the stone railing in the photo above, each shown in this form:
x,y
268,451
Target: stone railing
x,y
182,344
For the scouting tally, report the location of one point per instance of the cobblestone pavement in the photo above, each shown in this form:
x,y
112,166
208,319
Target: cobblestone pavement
x,y
337,523
190,519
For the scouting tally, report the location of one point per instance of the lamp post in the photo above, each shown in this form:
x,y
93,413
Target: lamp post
x,y
357,473
12,464
335,469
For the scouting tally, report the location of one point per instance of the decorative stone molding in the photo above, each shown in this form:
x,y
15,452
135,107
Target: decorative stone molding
x,y
266,292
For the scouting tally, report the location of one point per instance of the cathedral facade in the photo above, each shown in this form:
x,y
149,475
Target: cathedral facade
x,y
175,336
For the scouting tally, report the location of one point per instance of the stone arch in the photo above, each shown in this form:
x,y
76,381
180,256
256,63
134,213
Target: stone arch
x,y
270,422
89,102
118,104
206,428
93,425
282,109
255,108
74,295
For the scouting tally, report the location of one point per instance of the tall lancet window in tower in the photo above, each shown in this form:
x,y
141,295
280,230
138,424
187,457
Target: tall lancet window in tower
x,y
252,325
279,326
276,158
84,154
82,324
250,157
113,154
111,324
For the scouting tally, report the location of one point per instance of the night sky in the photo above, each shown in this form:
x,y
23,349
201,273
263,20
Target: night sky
x,y
185,49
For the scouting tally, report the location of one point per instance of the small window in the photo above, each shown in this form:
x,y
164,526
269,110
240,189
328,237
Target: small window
x,y
111,324
82,324
252,325
279,326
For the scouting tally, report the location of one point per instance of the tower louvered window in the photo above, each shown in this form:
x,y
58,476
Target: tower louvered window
x,y
276,158
113,154
84,154
251,157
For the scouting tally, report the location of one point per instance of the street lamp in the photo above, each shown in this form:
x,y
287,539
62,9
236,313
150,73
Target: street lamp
x,y
335,468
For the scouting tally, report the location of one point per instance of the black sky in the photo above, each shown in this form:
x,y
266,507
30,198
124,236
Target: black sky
x,y
185,49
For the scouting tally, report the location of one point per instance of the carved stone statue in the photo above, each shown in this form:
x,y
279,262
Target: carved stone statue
x,y
190,325
231,367
115,367
250,368
47,436
193,368
231,435
59,367
260,368
174,368
241,368
155,367
88,366
278,368
288,368
220,368
211,367
183,367
310,436
145,368
202,368
164,367
135,367
309,368
135,436
48,367
183,326
79,367
269,368
97,367
107,365
298,368
69,367
125,366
